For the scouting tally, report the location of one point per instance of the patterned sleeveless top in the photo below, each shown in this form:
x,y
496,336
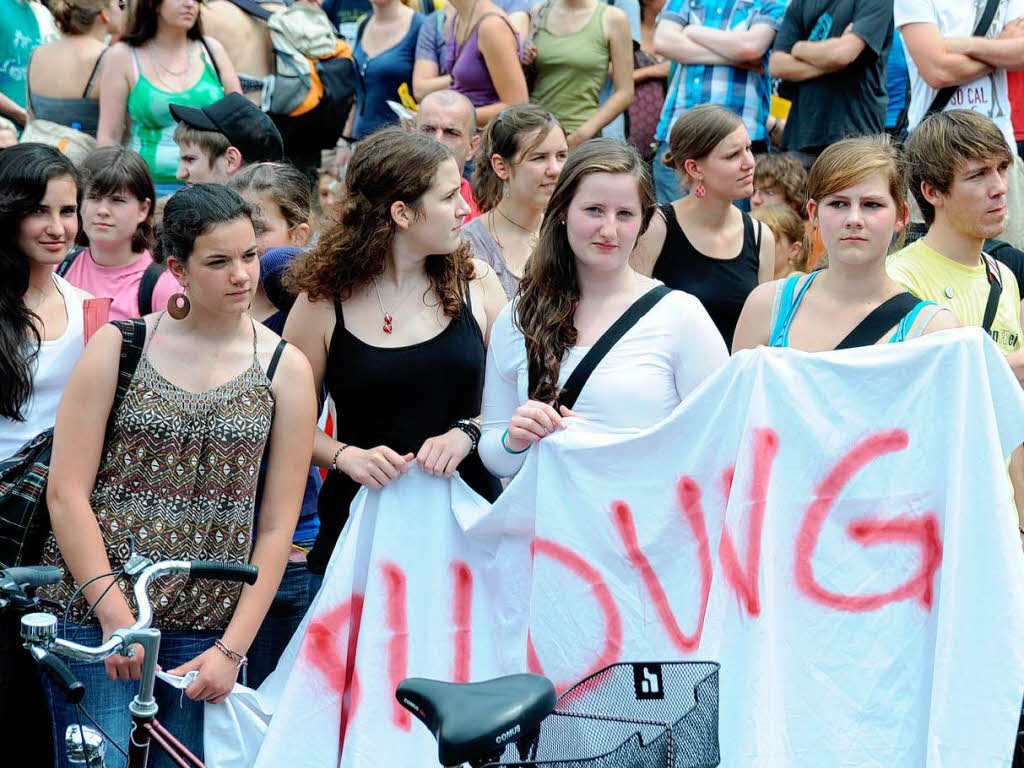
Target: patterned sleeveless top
x,y
178,474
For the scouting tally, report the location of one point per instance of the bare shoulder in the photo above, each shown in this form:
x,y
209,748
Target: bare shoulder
x,y
495,27
615,18
943,320
118,55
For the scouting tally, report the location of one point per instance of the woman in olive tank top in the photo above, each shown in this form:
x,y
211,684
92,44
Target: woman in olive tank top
x,y
162,59
394,316
575,40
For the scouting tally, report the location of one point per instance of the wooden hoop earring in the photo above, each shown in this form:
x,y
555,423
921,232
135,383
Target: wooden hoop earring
x,y
178,306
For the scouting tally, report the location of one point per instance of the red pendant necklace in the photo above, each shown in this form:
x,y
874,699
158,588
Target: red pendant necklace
x,y
388,316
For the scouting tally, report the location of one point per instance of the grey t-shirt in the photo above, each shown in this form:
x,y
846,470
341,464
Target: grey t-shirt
x,y
487,250
851,101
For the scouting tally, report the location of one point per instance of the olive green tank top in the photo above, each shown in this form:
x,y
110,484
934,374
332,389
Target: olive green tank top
x,y
571,70
152,132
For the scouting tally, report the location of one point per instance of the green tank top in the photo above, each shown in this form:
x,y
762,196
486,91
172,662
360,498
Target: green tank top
x,y
152,133
571,70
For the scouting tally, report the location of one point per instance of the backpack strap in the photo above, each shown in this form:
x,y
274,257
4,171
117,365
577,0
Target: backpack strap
x,y
981,30
146,287
252,8
578,378
995,290
133,338
883,317
64,266
272,368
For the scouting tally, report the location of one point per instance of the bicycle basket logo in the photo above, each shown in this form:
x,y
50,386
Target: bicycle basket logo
x,y
647,681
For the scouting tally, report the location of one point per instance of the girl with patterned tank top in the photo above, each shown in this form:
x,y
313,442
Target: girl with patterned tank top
x,y
162,58
172,471
857,198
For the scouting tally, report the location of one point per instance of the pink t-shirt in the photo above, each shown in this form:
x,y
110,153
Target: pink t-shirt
x,y
120,283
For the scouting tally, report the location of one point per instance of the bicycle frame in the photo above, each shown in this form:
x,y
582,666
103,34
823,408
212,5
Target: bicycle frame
x,y
39,630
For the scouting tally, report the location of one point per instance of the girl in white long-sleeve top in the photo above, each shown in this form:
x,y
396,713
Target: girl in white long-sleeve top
x,y
578,283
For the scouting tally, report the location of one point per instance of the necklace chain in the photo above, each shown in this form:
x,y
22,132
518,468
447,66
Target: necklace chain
x,y
388,315
501,213
173,73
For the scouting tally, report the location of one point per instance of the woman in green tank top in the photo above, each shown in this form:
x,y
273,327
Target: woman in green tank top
x,y
162,59
574,42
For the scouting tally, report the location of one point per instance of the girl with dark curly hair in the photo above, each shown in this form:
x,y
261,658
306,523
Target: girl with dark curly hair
x,y
394,315
578,284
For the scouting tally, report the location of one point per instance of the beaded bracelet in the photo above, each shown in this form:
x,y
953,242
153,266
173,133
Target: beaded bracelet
x,y
236,657
504,436
334,461
471,430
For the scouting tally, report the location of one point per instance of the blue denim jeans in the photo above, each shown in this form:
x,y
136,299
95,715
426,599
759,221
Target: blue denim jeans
x,y
282,619
107,700
666,181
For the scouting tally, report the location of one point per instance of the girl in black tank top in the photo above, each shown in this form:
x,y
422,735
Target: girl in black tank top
x,y
446,373
722,285
385,316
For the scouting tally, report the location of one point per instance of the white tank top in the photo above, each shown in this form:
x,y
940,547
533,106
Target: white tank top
x,y
52,369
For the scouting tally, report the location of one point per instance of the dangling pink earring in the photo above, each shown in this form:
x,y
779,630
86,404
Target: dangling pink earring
x,y
178,306
700,191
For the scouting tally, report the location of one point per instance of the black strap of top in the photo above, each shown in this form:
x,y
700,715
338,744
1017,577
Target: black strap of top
x,y
879,320
92,75
213,61
995,290
272,368
578,378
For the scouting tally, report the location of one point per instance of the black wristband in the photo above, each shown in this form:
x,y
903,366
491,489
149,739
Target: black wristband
x,y
470,429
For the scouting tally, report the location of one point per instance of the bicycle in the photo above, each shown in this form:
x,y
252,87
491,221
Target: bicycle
x,y
86,746
627,715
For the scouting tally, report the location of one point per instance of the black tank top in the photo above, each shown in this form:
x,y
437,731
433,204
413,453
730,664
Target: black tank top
x,y
400,397
722,285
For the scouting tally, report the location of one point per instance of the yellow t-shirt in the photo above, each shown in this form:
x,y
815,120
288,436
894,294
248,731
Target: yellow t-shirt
x,y
929,275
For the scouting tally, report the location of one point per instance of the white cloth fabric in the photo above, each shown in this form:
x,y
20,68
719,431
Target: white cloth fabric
x,y
658,362
52,369
988,95
804,520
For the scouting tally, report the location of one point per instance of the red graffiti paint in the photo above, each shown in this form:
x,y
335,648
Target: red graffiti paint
x,y
321,648
745,581
602,594
463,616
398,645
922,531
690,500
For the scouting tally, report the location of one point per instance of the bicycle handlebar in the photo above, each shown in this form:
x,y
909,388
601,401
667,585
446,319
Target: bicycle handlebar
x,y
29,577
57,670
124,637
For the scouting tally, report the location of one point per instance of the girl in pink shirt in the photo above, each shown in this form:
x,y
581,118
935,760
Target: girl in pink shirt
x,y
117,228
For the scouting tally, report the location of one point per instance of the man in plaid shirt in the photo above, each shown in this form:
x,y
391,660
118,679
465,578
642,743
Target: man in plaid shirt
x,y
721,46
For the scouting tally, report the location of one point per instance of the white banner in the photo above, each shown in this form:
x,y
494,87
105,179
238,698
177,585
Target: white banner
x,y
836,530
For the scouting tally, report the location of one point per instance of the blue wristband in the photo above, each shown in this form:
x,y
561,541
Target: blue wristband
x,y
509,450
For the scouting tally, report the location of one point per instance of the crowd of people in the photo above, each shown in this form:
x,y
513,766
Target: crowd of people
x,y
510,181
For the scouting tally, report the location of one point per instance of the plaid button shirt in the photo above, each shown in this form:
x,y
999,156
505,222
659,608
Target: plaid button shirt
x,y
743,91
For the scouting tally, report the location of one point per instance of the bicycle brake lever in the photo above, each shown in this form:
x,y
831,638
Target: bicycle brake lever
x,y
136,564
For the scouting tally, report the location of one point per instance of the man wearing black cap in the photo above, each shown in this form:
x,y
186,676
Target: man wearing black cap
x,y
219,140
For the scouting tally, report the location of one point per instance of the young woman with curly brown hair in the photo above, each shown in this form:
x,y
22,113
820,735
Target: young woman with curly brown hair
x,y
394,315
578,284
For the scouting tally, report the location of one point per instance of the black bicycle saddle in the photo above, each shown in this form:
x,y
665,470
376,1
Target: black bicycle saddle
x,y
475,720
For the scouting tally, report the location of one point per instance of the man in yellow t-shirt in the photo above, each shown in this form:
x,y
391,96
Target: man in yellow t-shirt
x,y
957,164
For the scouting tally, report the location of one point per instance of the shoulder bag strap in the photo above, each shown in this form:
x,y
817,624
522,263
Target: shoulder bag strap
x,y
995,290
578,378
146,287
883,317
133,333
64,266
980,30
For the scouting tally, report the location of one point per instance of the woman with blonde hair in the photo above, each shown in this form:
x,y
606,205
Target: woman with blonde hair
x,y
394,315
792,246
702,243
857,197
578,287
520,156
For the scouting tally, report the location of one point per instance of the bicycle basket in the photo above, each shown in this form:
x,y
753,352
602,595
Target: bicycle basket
x,y
628,715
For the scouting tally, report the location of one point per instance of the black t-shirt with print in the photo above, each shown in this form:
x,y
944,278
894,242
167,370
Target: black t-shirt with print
x,y
852,100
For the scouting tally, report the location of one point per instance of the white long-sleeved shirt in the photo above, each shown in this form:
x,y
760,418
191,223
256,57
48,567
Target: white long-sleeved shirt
x,y
641,380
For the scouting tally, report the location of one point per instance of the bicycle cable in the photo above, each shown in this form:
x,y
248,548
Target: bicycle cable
x,y
79,711
67,609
